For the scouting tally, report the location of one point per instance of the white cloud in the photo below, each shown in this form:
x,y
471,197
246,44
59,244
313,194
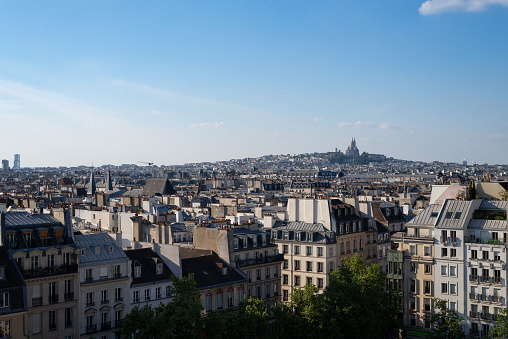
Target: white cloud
x,y
155,112
368,124
207,124
430,7
318,119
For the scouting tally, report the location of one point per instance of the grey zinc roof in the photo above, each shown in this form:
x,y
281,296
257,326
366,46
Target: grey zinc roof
x,y
494,205
301,226
181,227
19,219
426,216
454,213
487,224
103,241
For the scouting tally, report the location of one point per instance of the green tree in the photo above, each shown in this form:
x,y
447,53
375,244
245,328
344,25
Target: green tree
x,y
504,195
180,318
355,304
308,305
501,329
446,323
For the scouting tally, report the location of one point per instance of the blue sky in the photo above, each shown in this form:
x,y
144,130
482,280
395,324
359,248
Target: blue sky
x,y
114,82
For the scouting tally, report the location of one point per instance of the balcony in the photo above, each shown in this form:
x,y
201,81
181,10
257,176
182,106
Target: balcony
x,y
483,297
44,272
426,290
69,296
485,280
257,261
485,240
53,299
36,301
88,279
106,326
119,299
496,280
494,317
497,299
91,328
485,316
68,324
473,314
473,296
118,322
427,308
90,303
473,278
104,301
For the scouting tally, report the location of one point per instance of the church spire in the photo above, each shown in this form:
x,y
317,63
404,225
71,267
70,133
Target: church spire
x,y
91,184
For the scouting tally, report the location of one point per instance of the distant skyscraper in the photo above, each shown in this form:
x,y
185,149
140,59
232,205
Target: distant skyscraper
x,y
464,162
5,165
17,163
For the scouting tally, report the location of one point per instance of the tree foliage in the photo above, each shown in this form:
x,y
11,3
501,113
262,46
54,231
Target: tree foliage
x,y
446,324
180,318
353,305
501,329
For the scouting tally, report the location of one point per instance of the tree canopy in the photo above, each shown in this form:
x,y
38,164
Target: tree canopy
x,y
353,305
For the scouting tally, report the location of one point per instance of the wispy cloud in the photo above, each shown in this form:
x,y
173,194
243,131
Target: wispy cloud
x,y
318,119
430,7
207,124
28,99
155,112
368,124
164,94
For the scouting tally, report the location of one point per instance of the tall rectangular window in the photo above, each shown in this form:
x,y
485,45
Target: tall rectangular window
x,y
219,301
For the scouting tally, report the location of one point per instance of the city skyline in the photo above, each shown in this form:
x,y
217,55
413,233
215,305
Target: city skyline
x,y
186,82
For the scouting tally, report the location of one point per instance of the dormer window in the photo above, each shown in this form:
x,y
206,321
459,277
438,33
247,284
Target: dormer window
x,y
224,270
27,236
297,236
236,244
83,252
309,236
97,249
159,268
285,235
10,238
111,248
2,273
137,271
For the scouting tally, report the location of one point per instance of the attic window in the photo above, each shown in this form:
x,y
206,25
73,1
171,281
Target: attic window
x,y
448,215
83,252
137,271
159,268
110,249
457,215
224,270
2,273
97,249
433,215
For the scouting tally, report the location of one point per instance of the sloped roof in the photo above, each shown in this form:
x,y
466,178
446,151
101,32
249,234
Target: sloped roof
x,y
207,271
22,219
155,186
108,252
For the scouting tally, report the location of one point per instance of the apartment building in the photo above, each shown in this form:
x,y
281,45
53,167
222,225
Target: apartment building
x,y
44,250
485,261
310,253
13,304
220,286
104,277
417,246
260,260
151,278
450,269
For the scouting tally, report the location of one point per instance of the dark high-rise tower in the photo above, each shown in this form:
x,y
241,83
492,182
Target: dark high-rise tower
x,y
17,163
